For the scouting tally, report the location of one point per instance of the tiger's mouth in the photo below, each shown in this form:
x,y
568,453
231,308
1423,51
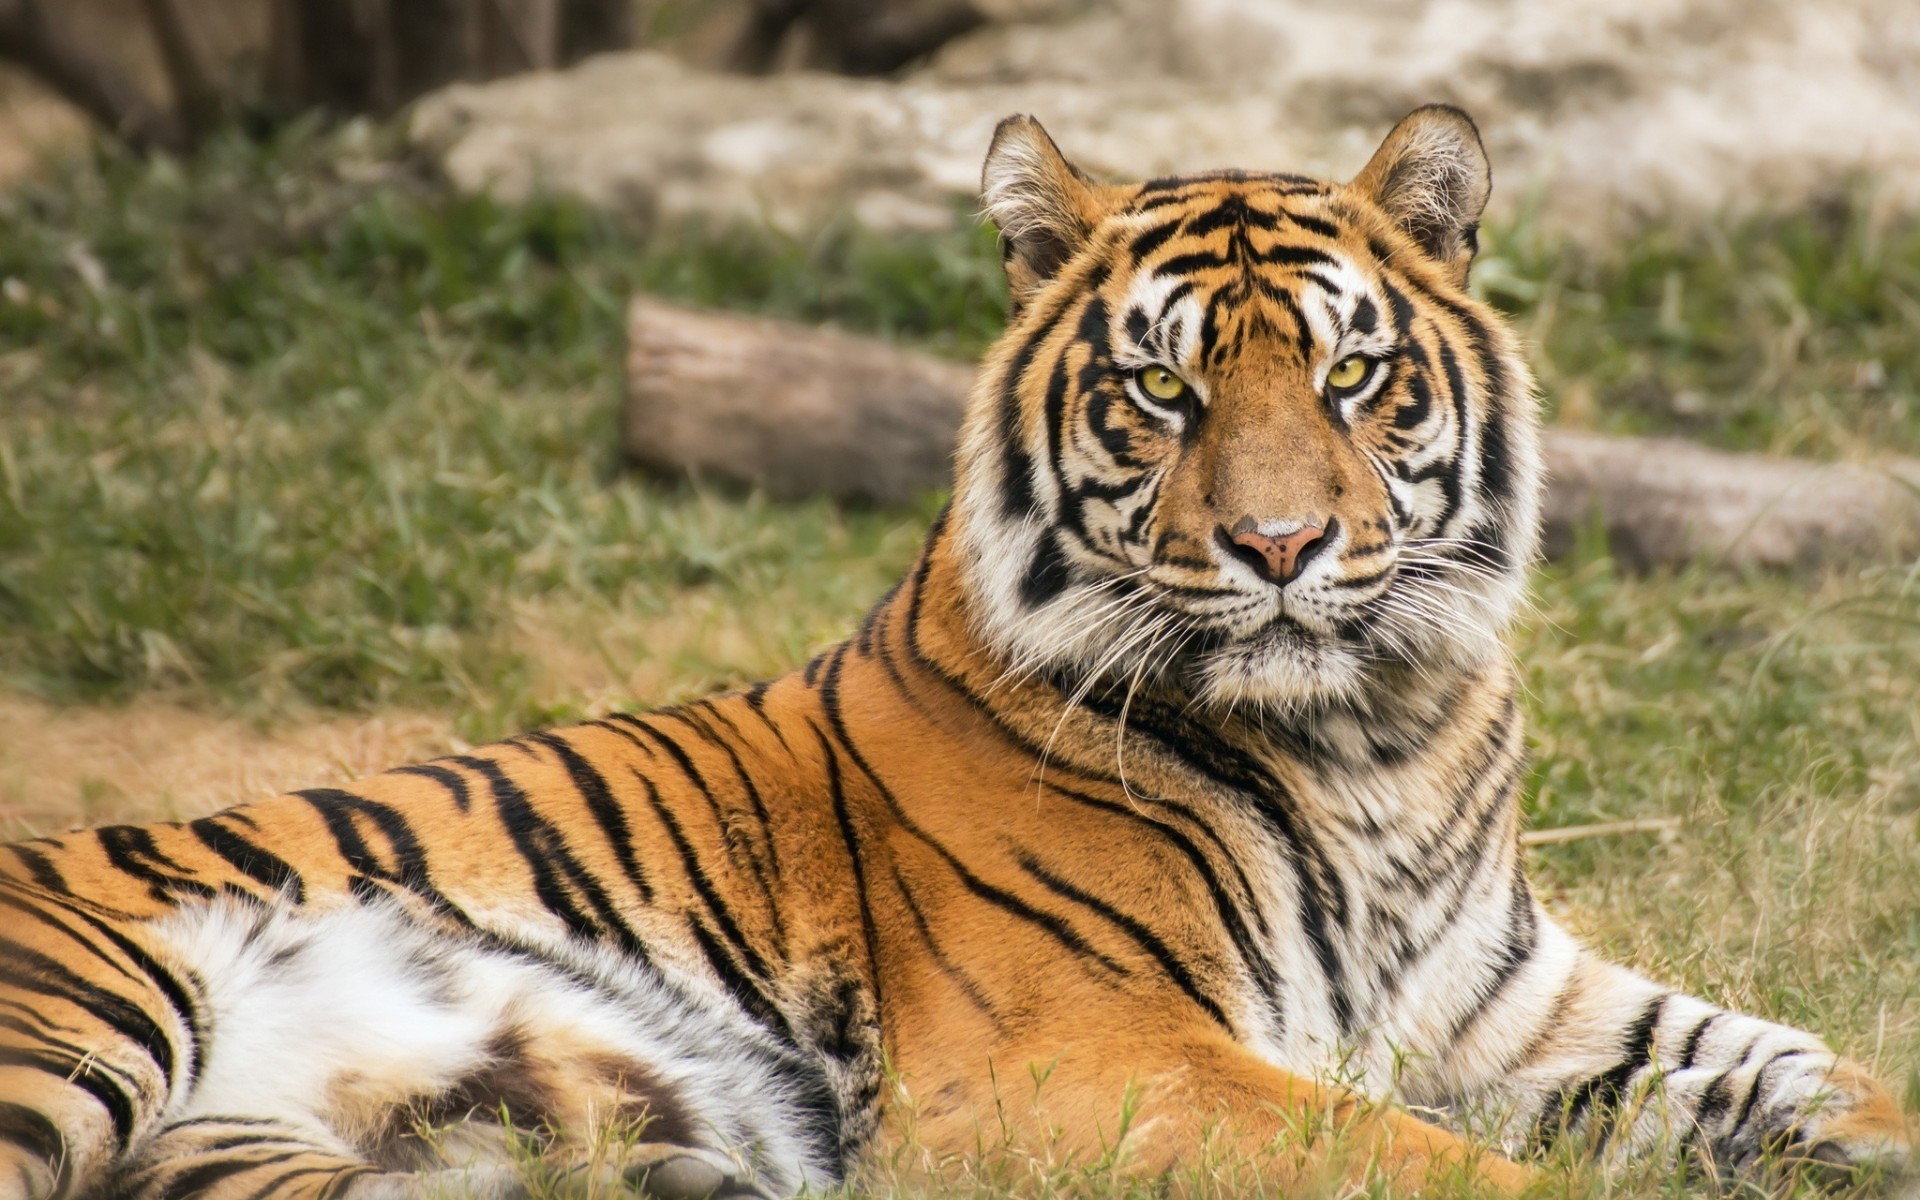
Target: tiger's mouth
x,y
1325,636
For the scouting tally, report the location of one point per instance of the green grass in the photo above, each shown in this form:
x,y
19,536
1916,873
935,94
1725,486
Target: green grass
x,y
288,429
1789,333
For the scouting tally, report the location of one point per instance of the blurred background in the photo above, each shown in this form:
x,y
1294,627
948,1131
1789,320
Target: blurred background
x,y
320,393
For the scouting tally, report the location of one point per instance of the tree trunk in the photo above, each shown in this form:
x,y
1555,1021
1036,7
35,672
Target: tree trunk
x,y
433,43
330,54
853,37
516,36
589,27
35,39
198,100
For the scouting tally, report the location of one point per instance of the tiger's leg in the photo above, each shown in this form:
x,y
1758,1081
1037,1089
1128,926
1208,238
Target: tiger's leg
x,y
95,1034
232,1158
1200,1100
1577,1047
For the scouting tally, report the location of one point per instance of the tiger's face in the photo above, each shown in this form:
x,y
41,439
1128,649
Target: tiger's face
x,y
1247,429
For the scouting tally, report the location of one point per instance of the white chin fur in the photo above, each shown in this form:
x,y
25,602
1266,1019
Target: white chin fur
x,y
1280,673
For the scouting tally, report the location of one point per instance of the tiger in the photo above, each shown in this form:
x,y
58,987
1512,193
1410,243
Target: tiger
x,y
1168,807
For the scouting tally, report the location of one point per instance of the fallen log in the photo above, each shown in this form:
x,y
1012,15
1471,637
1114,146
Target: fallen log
x,y
795,410
800,411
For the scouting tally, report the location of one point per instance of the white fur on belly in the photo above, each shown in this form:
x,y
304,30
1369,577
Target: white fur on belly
x,y
312,1015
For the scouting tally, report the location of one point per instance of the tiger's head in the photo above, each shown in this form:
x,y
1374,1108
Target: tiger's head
x,y
1246,429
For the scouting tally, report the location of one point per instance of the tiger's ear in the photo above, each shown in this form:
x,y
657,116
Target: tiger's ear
x,y
1431,176
1044,206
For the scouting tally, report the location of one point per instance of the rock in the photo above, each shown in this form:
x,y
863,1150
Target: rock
x,y
1596,111
643,135
800,411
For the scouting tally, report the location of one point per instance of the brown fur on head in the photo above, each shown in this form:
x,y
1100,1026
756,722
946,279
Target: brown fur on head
x,y
1248,429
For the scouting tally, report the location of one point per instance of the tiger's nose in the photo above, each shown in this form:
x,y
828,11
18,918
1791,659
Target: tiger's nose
x,y
1278,560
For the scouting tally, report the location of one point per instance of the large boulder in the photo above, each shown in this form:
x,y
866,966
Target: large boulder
x,y
1596,110
647,136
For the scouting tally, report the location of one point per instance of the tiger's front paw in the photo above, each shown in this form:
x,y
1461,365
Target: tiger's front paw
x,y
1857,1134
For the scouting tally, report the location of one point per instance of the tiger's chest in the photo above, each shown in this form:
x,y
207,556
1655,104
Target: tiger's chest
x,y
1394,899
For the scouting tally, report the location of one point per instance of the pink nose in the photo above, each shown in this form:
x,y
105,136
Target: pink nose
x,y
1278,559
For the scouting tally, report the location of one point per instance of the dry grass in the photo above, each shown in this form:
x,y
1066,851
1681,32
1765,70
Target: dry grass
x,y
152,761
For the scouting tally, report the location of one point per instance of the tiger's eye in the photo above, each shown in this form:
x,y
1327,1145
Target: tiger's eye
x,y
1162,384
1349,373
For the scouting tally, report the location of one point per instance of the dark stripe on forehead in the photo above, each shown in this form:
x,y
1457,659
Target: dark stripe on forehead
x,y
1302,337
1289,255
1152,239
1326,229
1324,283
1183,264
1231,211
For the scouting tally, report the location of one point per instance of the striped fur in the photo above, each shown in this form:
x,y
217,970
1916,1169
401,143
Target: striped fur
x,y
1087,794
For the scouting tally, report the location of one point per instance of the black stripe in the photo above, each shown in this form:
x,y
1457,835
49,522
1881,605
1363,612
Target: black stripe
x,y
969,987
1142,936
709,895
337,808
327,1191
685,763
85,1072
169,985
44,873
999,898
1326,229
1322,899
448,779
1230,915
1047,574
747,992
1186,264
694,717
1605,1090
602,806
1694,1039
843,817
41,910
262,866
196,1181
34,1131
31,971
1284,255
131,850
1146,242
1522,939
1753,1093
544,849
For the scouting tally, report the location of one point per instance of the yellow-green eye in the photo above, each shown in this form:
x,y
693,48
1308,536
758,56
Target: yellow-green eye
x,y
1349,373
1162,384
